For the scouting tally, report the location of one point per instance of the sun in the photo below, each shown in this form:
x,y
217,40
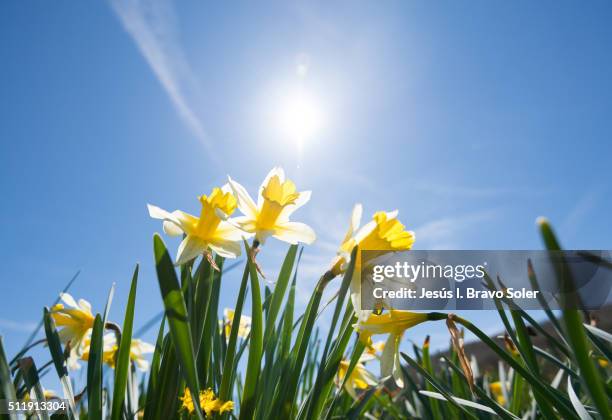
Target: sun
x,y
299,116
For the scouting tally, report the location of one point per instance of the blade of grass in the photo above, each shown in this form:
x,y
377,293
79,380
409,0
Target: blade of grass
x,y
32,381
573,321
94,371
153,383
279,291
122,365
57,354
535,382
436,385
176,313
249,395
7,391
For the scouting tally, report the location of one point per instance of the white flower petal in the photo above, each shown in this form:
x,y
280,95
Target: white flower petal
x,y
85,306
354,224
392,214
229,230
189,249
302,199
173,222
141,364
68,300
387,359
294,232
225,248
365,231
245,203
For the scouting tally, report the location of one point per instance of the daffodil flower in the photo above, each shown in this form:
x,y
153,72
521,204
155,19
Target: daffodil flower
x,y
208,403
277,200
498,392
359,379
138,349
394,323
211,231
244,327
343,256
383,233
75,320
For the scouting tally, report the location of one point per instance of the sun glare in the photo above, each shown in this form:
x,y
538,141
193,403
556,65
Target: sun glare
x,y
299,117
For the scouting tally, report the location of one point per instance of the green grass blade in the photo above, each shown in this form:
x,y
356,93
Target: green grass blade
x,y
228,366
32,381
535,381
94,371
122,365
484,397
573,322
249,395
153,384
176,313
578,406
7,391
436,385
279,291
167,393
57,354
529,356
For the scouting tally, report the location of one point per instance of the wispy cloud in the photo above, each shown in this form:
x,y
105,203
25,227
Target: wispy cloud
x,y
581,209
151,24
445,233
17,326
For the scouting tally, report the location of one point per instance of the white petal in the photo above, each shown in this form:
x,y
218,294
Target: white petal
x,y
68,300
189,249
228,230
171,229
142,364
157,212
294,232
302,199
356,216
365,231
355,222
173,222
397,369
245,203
85,306
387,359
366,357
392,214
225,248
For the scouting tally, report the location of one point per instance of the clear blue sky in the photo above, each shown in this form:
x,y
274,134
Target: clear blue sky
x,y
470,118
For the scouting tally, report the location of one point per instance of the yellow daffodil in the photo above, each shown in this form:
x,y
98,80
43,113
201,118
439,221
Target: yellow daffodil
x,y
343,257
602,362
210,231
75,320
138,349
359,379
383,233
394,323
498,392
244,327
375,348
278,199
208,403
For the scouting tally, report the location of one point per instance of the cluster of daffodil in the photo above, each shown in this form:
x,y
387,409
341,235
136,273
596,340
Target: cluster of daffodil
x,y
76,322
209,403
214,230
278,198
